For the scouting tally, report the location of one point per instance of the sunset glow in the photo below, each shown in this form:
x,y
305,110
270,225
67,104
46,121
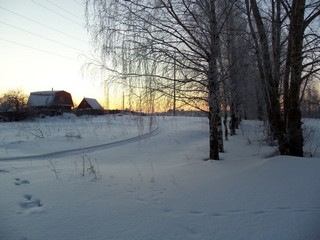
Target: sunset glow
x,y
44,45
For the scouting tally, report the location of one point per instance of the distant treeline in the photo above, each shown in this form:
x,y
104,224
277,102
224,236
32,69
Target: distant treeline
x,y
11,116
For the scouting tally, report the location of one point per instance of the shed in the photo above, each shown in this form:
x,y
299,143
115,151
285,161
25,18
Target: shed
x,y
90,103
89,106
50,100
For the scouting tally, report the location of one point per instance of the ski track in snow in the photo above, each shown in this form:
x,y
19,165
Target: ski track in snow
x,y
70,152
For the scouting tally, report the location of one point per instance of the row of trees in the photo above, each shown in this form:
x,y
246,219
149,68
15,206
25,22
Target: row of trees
x,y
213,55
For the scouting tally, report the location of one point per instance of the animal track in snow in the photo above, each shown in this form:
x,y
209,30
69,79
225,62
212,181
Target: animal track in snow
x,y
31,204
3,171
19,181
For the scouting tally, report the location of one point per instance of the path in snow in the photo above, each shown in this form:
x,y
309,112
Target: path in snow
x,y
70,152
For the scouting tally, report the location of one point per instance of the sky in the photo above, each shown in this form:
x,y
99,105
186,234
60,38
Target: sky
x,y
43,45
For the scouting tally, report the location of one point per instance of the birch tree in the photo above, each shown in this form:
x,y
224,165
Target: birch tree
x,y
141,40
291,51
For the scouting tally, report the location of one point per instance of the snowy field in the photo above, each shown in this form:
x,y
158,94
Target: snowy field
x,y
108,177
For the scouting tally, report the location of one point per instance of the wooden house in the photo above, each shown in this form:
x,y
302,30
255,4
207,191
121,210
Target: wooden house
x,y
58,100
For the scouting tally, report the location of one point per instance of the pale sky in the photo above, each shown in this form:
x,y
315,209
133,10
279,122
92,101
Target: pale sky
x,y
42,43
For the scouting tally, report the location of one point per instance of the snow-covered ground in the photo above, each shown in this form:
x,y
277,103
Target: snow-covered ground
x,y
56,185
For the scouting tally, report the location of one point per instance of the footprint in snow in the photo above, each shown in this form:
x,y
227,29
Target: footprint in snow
x,y
19,181
30,204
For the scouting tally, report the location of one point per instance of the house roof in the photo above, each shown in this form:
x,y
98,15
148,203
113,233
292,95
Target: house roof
x,y
94,104
46,92
38,99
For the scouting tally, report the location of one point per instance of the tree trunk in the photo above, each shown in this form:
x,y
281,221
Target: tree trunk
x,y
271,90
294,124
233,121
214,117
214,137
294,112
213,86
225,124
220,131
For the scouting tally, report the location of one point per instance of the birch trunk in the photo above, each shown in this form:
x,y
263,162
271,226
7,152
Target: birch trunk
x,y
272,96
213,87
294,112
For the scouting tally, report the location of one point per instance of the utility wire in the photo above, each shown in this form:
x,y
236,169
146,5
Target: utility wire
x,y
40,36
49,9
81,4
38,49
41,24
65,10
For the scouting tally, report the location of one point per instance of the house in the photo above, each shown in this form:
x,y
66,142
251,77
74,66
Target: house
x,y
58,100
90,106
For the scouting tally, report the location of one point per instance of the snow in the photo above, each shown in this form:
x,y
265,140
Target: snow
x,y
152,186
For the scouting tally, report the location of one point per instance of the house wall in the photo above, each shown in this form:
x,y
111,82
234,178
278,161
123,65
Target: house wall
x,y
63,100
84,105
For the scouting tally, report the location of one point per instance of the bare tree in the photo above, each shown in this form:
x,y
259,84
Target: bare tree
x,y
240,85
293,49
13,100
141,42
271,83
297,32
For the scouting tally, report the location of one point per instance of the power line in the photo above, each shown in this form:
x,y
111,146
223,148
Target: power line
x,y
81,4
41,24
40,36
38,49
65,10
49,9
